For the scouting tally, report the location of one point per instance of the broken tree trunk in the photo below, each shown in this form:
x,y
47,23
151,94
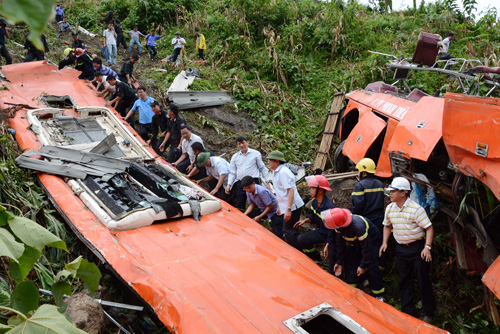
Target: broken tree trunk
x,y
328,131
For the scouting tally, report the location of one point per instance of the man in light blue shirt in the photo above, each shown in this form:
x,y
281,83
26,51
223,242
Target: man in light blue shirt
x,y
245,162
217,168
261,203
146,114
289,202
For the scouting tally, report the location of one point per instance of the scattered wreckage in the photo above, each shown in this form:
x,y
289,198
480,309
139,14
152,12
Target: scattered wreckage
x,y
448,144
222,274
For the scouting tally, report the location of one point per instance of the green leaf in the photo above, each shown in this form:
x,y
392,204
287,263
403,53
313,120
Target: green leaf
x,y
4,328
73,266
35,13
4,216
25,296
63,275
19,270
4,293
34,235
9,246
89,274
46,320
15,320
60,289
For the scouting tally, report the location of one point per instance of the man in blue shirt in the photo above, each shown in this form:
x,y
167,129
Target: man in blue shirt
x,y
106,71
3,50
266,203
143,103
59,13
151,44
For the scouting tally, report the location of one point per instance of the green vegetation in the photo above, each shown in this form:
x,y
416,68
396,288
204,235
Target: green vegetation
x,y
26,262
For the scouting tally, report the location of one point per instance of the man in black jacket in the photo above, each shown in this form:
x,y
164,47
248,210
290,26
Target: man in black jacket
x,y
85,64
358,243
32,52
119,35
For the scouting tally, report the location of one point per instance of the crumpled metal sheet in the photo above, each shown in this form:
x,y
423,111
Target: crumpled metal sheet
x,y
471,133
200,99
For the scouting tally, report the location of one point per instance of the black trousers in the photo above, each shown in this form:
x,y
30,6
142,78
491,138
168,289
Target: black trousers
x,y
173,154
410,265
310,239
122,107
201,54
292,234
145,130
353,256
5,53
177,52
121,40
39,55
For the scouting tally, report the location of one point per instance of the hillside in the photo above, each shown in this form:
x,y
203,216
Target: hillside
x,y
284,60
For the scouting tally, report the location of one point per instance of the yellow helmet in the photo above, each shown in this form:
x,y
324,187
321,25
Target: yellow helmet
x,y
366,165
67,51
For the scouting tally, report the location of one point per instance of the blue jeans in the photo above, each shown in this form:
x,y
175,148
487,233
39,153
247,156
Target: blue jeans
x,y
132,42
112,53
152,51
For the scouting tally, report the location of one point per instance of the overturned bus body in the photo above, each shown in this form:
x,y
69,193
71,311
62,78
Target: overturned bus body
x,y
199,263
452,140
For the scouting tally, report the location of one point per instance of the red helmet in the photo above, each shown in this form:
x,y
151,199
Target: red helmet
x,y
338,217
319,181
79,52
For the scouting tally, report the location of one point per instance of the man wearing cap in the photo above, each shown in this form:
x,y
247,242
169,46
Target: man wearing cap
x,y
414,234
77,42
290,203
135,39
318,186
173,136
262,203
84,64
186,161
217,168
178,42
70,57
245,162
151,44
124,96
357,243
160,121
31,50
143,104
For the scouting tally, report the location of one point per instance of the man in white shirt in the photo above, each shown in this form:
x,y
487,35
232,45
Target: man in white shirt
x,y
178,43
444,50
245,162
290,203
110,43
187,159
217,168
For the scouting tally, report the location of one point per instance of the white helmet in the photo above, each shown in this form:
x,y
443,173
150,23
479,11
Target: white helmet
x,y
400,183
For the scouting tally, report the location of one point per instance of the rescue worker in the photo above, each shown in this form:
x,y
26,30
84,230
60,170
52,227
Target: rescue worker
x,y
84,64
357,243
318,186
368,197
159,121
77,42
173,136
368,194
414,234
123,98
70,57
290,203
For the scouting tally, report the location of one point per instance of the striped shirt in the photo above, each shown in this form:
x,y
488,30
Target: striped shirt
x,y
408,223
